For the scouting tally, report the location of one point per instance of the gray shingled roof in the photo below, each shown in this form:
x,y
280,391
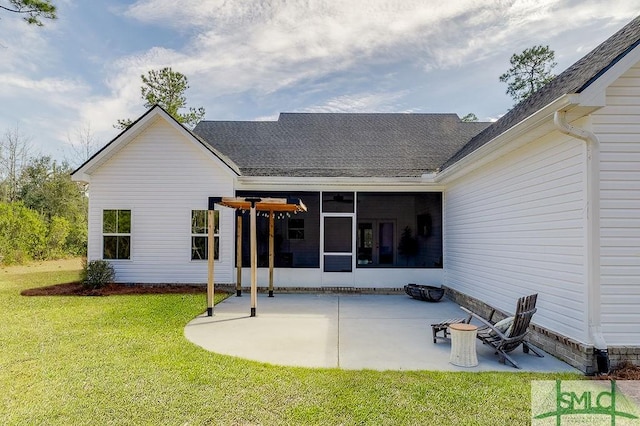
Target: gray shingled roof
x,y
340,145
575,79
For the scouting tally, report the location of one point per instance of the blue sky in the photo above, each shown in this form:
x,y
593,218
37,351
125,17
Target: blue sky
x,y
250,60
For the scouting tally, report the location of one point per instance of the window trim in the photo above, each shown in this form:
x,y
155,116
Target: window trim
x,y
118,234
216,235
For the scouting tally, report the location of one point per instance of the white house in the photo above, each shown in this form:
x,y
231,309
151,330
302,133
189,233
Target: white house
x,y
546,200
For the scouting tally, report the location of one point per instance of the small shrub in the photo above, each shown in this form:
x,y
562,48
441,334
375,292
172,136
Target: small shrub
x,y
97,274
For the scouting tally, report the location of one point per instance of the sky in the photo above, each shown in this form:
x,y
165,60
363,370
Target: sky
x,y
251,60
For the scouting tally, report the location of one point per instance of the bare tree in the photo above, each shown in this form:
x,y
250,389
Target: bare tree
x,y
15,148
82,145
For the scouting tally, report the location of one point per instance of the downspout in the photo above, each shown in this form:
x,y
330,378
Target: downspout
x,y
592,236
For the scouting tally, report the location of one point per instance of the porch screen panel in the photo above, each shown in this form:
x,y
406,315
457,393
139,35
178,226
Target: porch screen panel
x,y
399,230
337,234
296,236
337,202
337,263
338,239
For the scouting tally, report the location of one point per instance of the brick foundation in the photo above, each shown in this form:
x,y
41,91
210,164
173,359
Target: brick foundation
x,y
622,354
574,353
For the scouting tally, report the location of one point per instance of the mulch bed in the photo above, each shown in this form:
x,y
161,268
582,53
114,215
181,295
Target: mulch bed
x,y
76,289
624,371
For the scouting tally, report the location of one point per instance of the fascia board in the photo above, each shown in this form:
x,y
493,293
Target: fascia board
x,y
322,183
494,148
594,94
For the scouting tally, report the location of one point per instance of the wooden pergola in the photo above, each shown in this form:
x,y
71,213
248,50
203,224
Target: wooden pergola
x,y
253,205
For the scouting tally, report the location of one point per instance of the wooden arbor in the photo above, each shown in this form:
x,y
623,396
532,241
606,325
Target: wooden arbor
x,y
253,205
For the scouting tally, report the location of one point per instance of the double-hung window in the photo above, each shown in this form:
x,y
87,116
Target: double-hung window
x,y
199,235
116,234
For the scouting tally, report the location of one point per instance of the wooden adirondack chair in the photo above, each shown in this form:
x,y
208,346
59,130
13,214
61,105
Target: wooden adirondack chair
x,y
505,341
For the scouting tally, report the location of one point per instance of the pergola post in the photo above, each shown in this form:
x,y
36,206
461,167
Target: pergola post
x,y
210,259
254,258
253,204
271,251
239,254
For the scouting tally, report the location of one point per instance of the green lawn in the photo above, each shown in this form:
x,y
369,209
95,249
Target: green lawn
x,y
124,360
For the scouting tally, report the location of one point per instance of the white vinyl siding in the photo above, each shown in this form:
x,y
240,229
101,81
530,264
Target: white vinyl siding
x,y
618,129
161,176
515,227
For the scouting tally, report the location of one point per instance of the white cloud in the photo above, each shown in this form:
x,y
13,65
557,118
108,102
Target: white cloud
x,y
265,46
50,86
271,45
361,102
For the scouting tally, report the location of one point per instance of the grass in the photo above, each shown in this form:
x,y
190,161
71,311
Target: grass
x,y
124,360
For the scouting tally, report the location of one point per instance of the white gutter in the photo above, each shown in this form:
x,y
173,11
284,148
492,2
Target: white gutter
x,y
593,224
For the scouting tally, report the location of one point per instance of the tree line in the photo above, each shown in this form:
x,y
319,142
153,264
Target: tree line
x,y
43,213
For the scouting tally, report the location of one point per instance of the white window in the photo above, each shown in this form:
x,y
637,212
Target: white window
x,y
199,235
116,234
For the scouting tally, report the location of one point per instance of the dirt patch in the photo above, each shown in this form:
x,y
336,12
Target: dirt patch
x,y
76,289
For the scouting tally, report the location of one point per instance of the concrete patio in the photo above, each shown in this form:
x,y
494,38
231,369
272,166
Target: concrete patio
x,y
380,332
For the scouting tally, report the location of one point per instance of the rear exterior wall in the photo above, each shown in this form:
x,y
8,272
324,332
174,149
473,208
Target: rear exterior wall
x,y
517,226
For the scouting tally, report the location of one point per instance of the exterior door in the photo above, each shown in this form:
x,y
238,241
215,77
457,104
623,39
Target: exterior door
x,y
338,251
338,239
